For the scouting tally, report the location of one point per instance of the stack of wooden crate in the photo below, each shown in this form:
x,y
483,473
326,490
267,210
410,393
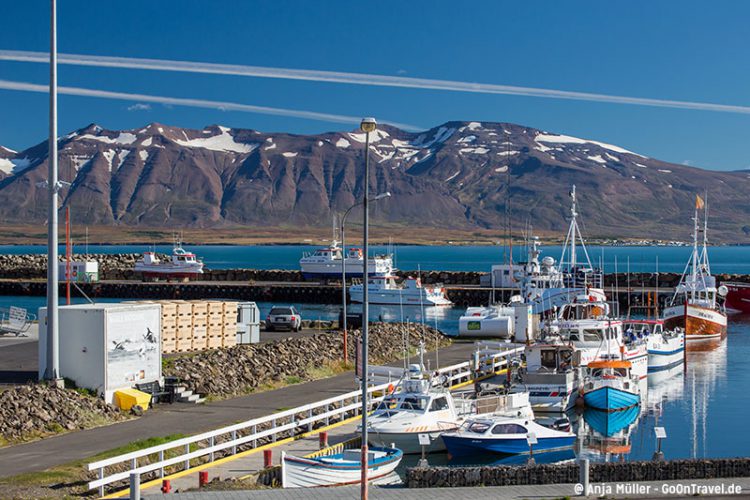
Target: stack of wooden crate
x,y
168,327
184,325
200,324
196,325
215,324
229,324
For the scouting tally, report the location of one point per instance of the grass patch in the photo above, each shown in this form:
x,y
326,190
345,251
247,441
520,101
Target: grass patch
x,y
69,480
293,379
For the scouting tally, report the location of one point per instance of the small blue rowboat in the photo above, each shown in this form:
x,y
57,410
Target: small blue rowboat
x,y
503,435
609,386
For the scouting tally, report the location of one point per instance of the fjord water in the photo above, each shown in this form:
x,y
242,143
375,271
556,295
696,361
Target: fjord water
x,y
725,259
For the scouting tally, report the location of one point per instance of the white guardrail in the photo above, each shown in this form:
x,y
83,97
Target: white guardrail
x,y
281,425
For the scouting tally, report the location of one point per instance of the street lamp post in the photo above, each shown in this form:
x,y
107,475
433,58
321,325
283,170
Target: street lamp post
x,y
343,268
368,125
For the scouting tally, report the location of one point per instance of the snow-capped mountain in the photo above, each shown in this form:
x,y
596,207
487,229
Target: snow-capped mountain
x,y
455,175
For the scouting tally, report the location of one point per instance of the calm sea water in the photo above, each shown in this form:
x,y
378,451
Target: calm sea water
x,y
735,259
702,409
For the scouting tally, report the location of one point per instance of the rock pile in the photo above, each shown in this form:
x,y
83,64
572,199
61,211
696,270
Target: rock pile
x,y
35,265
34,410
243,368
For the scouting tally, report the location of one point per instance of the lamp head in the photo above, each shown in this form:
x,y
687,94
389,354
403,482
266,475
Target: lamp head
x,y
368,124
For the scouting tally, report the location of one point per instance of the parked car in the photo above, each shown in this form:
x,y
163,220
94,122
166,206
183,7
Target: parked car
x,y
285,317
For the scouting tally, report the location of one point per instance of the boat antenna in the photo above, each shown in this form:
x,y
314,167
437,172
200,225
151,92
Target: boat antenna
x,y
437,344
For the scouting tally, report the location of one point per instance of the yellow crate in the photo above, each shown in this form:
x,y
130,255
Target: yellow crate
x,y
215,331
200,343
200,331
215,307
184,333
229,341
184,345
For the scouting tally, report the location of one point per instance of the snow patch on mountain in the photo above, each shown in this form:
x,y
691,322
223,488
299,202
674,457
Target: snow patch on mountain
x,y
272,146
143,155
502,169
376,136
109,155
452,176
343,143
467,139
124,138
479,151
146,143
290,155
566,139
8,150
80,161
121,158
597,159
222,142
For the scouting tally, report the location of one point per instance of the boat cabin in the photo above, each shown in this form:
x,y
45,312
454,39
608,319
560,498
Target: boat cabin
x,y
180,256
551,358
414,403
609,369
487,426
641,329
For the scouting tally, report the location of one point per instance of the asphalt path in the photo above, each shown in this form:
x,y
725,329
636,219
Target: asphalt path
x,y
185,419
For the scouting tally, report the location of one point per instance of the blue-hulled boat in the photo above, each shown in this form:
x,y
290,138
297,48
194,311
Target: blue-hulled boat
x,y
503,435
610,423
609,386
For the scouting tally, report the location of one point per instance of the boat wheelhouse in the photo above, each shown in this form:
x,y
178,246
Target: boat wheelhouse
x,y
328,263
383,289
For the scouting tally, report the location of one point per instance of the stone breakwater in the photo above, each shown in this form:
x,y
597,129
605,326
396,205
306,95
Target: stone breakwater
x,y
35,410
243,368
614,472
120,267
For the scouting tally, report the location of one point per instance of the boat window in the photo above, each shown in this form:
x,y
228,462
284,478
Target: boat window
x,y
478,427
414,404
509,429
439,404
591,335
388,404
548,359
621,372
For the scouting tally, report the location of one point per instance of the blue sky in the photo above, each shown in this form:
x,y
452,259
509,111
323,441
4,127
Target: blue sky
x,y
679,50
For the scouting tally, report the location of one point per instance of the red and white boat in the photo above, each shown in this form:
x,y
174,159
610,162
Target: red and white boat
x,y
695,307
184,265
738,297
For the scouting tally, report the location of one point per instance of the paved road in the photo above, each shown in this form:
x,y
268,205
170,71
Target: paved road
x,y
183,419
19,359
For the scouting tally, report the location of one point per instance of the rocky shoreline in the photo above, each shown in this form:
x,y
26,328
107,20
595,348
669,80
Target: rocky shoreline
x,y
37,410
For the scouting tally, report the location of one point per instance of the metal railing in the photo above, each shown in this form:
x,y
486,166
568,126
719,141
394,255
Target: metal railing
x,y
264,430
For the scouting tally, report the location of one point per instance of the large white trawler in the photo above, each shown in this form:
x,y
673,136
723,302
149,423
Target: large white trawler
x,y
542,285
327,263
383,289
183,265
695,307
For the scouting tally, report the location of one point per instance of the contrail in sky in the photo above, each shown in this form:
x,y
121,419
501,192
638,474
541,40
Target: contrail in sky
x,y
359,79
196,103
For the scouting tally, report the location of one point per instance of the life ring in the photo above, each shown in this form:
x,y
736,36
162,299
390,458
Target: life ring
x,y
391,388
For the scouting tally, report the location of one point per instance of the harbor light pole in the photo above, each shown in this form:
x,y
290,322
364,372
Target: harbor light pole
x,y
343,267
368,125
52,373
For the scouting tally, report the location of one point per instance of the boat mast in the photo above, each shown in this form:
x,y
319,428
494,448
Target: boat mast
x,y
573,227
694,270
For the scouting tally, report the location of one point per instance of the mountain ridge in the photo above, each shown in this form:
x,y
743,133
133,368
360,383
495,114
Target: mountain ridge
x,y
452,176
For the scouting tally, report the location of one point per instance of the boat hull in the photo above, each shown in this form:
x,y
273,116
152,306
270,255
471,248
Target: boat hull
x,y
666,355
610,399
738,298
309,473
408,442
461,446
701,324
394,298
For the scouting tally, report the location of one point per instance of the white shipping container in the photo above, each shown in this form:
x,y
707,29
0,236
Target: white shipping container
x,y
106,347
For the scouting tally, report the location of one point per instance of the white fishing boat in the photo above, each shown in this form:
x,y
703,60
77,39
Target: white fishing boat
x,y
551,377
541,284
339,469
586,325
695,307
183,265
326,263
666,348
383,289
421,405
